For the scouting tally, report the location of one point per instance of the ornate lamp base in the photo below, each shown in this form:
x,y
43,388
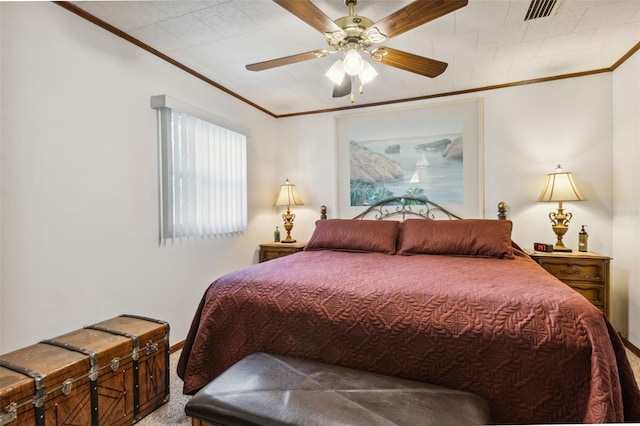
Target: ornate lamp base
x,y
561,248
560,221
288,218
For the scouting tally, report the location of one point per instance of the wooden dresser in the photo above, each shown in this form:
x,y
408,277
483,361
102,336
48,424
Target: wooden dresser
x,y
585,272
270,251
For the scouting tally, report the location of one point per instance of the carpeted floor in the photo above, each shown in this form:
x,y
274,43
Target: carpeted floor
x,y
172,413
635,364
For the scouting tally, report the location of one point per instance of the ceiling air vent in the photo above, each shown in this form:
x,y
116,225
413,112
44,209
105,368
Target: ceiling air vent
x,y
542,9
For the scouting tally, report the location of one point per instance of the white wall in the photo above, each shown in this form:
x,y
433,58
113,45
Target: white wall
x,y
626,195
527,131
79,172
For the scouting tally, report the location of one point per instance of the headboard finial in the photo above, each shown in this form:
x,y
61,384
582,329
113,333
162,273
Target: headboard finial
x,y
502,210
323,212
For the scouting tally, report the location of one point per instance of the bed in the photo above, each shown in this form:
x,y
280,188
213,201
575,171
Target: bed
x,y
450,302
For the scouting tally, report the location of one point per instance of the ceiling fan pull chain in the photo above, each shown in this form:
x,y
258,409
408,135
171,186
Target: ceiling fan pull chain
x,y
352,97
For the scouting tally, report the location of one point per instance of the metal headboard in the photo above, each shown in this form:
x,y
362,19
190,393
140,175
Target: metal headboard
x,y
406,207
411,207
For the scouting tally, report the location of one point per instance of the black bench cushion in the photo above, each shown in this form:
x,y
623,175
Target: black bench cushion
x,y
264,389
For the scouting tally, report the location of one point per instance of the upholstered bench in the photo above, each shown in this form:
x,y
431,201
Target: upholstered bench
x,y
265,389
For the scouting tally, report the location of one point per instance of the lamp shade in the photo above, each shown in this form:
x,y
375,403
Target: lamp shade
x,y
336,72
288,195
368,73
353,62
560,187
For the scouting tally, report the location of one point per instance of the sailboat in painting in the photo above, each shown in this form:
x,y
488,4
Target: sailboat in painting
x,y
421,169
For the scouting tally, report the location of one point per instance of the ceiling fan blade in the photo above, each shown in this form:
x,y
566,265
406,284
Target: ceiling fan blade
x,y
415,14
310,14
409,62
261,66
344,88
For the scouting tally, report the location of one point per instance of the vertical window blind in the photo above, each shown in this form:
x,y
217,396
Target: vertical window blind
x,y
203,176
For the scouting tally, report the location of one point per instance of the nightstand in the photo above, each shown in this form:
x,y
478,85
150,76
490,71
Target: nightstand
x,y
585,272
270,251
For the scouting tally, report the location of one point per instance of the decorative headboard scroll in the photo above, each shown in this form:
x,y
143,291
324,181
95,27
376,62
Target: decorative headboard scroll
x,y
408,207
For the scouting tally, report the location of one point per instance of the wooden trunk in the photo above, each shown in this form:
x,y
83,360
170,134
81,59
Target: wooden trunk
x,y
111,373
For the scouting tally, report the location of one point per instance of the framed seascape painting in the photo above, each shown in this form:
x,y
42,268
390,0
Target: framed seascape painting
x,y
433,151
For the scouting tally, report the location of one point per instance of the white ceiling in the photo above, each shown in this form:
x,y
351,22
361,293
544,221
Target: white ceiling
x,y
486,43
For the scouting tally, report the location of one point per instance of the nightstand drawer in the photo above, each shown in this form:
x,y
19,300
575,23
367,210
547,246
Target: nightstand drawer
x,y
585,272
274,254
269,251
594,293
580,270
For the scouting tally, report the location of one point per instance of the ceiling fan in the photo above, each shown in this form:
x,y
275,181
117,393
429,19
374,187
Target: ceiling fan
x,y
355,34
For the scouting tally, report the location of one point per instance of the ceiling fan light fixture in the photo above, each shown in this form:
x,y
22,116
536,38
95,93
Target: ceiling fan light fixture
x,y
336,72
353,34
367,74
353,62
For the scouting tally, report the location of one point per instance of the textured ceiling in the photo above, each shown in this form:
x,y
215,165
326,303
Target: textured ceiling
x,y
487,43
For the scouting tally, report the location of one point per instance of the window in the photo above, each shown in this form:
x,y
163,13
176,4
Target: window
x,y
203,172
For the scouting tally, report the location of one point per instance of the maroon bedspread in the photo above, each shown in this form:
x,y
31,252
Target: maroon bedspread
x,y
502,329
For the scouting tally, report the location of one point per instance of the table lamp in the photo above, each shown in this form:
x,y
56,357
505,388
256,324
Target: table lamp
x,y
560,187
288,196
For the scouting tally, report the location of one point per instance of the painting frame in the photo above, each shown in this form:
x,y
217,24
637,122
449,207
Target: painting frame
x,y
398,124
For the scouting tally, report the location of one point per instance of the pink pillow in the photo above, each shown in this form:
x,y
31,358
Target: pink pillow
x,y
466,237
354,235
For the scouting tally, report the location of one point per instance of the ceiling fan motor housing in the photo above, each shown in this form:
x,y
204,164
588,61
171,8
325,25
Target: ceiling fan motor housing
x,y
353,28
